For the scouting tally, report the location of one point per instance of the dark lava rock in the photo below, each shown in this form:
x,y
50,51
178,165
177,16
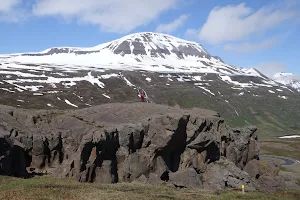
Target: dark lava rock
x,y
141,142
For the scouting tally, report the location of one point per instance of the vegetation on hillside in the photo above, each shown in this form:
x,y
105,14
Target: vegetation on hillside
x,y
44,188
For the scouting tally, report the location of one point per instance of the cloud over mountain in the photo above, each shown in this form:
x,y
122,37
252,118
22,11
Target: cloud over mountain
x,y
111,15
243,22
173,26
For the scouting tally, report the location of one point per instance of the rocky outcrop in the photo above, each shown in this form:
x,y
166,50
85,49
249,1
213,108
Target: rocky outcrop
x,y
12,158
266,177
186,178
111,143
225,174
242,146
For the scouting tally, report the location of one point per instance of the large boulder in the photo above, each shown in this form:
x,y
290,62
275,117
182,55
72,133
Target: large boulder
x,y
136,165
191,158
187,178
106,173
225,174
257,168
270,183
242,146
267,177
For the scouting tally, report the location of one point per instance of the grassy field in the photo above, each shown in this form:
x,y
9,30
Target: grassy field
x,y
44,188
281,147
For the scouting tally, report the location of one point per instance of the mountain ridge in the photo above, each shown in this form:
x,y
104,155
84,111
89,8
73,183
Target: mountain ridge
x,y
288,79
148,48
143,51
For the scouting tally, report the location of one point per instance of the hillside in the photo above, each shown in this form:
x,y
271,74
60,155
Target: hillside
x,y
171,70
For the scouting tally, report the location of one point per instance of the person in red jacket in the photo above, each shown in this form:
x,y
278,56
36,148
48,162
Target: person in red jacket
x,y
142,97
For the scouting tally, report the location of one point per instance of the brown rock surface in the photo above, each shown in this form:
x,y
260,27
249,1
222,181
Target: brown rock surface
x,y
127,142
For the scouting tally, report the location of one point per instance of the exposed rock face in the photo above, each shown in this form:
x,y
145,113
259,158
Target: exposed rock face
x,y
265,175
128,142
243,146
257,168
186,178
12,158
225,174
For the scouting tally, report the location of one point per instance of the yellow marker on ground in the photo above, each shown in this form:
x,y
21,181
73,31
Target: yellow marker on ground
x,y
243,189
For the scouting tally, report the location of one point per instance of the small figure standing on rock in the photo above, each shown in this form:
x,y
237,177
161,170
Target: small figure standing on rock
x,y
143,97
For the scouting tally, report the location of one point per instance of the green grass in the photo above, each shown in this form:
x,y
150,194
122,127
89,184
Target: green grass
x,y
273,117
281,152
284,169
281,147
46,188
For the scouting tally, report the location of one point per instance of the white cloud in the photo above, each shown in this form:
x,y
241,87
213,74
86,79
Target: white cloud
x,y
10,11
173,26
251,47
111,15
8,5
236,23
191,34
270,68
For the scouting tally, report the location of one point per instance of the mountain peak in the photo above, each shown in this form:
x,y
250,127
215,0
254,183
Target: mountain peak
x,y
157,45
147,44
147,51
159,36
288,79
283,74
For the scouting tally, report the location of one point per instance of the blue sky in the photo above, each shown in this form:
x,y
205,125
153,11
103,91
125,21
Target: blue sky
x,y
255,33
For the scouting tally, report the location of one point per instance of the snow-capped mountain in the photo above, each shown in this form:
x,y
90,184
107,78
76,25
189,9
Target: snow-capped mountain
x,y
116,71
288,79
170,70
142,51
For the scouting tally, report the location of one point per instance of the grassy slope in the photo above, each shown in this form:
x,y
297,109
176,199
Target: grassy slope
x,y
287,147
42,188
272,120
274,116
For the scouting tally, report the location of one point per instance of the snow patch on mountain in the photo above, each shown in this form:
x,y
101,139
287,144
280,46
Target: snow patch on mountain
x,y
207,90
71,104
107,76
282,97
67,82
250,84
105,95
254,72
128,82
288,79
290,136
271,91
38,94
8,90
141,51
